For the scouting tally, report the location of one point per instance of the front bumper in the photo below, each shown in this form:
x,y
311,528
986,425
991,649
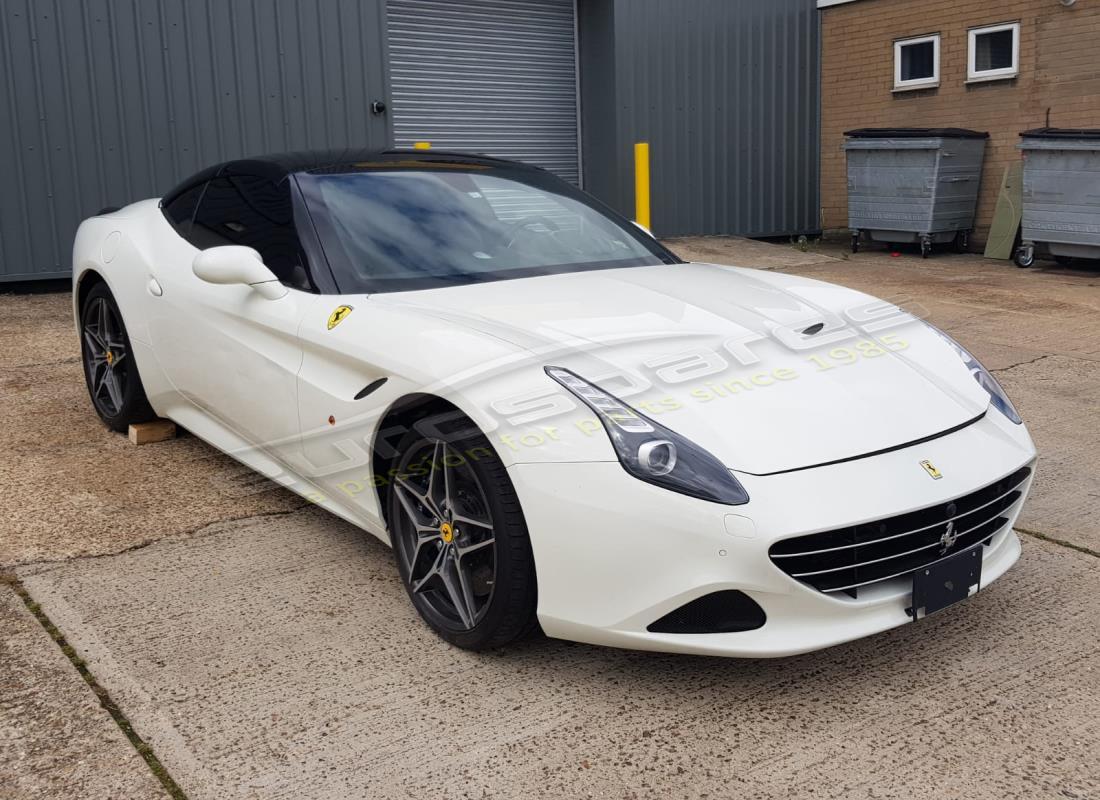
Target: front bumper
x,y
614,554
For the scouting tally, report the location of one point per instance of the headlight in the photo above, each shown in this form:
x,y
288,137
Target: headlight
x,y
651,452
981,375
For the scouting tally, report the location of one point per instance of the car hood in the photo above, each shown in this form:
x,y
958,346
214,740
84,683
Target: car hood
x,y
732,358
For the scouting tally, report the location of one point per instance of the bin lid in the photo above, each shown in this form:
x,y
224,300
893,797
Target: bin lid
x,y
1062,133
915,133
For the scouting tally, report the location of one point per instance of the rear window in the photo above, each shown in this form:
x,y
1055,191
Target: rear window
x,y
181,211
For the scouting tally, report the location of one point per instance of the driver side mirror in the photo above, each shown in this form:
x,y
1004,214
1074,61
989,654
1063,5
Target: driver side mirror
x,y
233,264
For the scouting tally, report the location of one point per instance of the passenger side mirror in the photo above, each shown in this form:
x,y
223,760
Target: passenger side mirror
x,y
233,264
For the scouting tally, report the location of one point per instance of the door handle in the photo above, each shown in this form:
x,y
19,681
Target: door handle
x,y
155,288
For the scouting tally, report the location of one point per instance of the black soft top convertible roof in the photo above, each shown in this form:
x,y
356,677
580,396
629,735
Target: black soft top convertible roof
x,y
277,166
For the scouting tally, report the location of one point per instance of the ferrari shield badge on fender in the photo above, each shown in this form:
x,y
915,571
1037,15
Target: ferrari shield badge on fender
x,y
337,316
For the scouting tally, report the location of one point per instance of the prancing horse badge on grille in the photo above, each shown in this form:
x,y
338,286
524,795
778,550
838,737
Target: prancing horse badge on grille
x,y
930,468
949,537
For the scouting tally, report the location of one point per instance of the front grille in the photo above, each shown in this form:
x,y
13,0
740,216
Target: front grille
x,y
844,560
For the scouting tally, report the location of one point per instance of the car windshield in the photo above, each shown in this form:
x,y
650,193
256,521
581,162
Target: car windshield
x,y
393,228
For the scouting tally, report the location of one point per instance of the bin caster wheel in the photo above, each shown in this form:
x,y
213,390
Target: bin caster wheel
x,y
855,242
925,247
1064,261
1025,256
962,241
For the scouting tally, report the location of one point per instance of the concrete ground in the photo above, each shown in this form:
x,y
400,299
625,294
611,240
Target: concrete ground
x,y
56,741
262,649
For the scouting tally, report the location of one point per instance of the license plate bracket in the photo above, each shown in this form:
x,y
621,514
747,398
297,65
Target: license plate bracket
x,y
945,582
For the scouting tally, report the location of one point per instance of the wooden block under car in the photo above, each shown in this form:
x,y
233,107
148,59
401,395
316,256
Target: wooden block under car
x,y
157,430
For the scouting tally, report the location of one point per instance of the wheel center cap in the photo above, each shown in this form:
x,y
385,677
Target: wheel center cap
x,y
110,358
447,532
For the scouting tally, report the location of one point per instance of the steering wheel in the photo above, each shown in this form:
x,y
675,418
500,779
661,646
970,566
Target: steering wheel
x,y
525,223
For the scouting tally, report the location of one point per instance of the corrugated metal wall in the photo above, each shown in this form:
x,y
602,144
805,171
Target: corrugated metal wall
x,y
491,76
103,102
726,93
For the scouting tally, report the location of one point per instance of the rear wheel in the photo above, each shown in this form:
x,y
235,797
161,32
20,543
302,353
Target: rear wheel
x,y
461,542
109,368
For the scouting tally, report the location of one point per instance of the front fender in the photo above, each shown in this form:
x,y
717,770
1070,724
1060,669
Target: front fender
x,y
500,386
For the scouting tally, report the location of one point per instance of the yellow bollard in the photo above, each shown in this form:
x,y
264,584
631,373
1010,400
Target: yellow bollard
x,y
641,183
422,145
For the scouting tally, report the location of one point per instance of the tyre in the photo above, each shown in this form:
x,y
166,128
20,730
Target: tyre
x,y
1064,261
109,367
1025,257
925,248
855,242
460,541
962,241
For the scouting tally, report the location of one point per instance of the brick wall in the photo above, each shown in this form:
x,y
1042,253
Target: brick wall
x,y
1059,69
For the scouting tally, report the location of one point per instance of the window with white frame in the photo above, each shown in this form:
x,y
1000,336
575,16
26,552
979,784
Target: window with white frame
x,y
917,62
994,52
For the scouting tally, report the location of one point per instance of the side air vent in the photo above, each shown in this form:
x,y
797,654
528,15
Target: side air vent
x,y
370,387
718,612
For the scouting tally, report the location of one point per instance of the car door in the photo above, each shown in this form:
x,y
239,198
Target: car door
x,y
232,354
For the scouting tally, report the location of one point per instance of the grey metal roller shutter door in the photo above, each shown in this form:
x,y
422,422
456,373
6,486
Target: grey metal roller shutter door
x,y
488,76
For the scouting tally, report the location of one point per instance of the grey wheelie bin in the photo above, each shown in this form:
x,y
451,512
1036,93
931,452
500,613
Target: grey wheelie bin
x,y
1061,208
913,184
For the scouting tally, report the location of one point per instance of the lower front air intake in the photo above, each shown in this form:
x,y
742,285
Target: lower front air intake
x,y
718,612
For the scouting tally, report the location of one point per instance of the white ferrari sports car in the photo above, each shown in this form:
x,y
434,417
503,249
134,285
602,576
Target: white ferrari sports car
x,y
552,419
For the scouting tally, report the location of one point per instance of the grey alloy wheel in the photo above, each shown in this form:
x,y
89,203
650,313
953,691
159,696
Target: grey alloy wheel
x,y
445,535
110,371
106,356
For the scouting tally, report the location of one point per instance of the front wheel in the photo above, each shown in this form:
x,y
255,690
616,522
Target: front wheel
x,y
461,542
109,368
